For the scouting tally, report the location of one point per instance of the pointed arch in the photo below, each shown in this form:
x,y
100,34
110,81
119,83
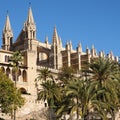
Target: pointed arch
x,y
8,71
3,69
19,72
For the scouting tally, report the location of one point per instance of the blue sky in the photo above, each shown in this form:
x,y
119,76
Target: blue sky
x,y
90,22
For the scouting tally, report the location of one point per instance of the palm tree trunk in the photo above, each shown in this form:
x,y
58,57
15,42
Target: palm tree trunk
x,y
14,114
77,110
16,79
51,113
86,116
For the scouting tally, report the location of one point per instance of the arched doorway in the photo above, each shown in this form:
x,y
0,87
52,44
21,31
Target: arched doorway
x,y
23,90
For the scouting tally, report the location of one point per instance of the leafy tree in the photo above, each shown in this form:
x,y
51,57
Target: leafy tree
x,y
10,97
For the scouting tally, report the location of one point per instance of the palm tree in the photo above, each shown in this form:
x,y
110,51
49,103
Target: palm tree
x,y
47,93
66,75
73,90
84,99
50,93
63,107
83,95
104,70
16,60
44,74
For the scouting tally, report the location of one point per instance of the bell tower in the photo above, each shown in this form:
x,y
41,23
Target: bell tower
x,y
30,31
30,47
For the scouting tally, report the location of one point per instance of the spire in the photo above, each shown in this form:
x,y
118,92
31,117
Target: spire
x,y
93,47
87,50
46,40
56,50
70,43
111,55
29,26
55,36
60,42
79,48
7,35
7,26
93,51
30,18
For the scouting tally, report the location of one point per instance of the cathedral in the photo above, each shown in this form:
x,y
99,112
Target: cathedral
x,y
38,55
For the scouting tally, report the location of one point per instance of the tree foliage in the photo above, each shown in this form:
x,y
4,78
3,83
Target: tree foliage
x,y
91,96
10,97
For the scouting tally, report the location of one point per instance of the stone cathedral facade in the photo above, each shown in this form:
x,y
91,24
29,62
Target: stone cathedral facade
x,y
39,55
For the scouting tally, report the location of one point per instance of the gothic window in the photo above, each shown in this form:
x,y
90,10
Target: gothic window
x,y
3,41
30,34
8,39
24,75
33,34
6,58
11,41
26,34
